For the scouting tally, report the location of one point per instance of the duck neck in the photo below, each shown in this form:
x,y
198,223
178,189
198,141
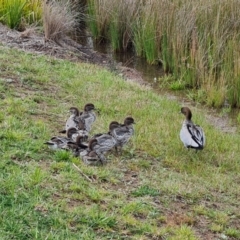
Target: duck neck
x,y
189,116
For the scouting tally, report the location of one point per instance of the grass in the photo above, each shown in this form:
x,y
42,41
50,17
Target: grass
x,y
156,190
18,13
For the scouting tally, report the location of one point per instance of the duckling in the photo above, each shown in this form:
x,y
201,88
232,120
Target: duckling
x,y
101,143
191,135
73,133
81,120
87,117
76,147
57,142
123,132
90,157
71,121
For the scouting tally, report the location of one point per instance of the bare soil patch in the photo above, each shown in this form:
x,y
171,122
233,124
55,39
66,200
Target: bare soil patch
x,y
32,40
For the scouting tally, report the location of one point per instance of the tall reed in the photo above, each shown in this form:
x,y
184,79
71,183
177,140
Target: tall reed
x,y
12,12
33,11
196,41
19,13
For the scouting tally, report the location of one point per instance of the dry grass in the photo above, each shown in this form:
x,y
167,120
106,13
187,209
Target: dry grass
x,y
58,19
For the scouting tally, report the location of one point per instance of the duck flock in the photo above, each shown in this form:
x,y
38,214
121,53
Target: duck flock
x,y
92,150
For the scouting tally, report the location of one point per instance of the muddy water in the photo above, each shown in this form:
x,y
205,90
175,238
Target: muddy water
x,y
222,119
127,59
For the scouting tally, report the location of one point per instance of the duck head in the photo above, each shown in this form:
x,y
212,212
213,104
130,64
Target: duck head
x,y
89,107
186,112
71,131
92,143
79,142
129,121
74,111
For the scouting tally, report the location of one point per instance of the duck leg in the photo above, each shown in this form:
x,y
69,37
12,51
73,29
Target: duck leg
x,y
101,157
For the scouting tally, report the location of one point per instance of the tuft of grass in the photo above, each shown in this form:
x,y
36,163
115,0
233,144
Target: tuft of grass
x,y
61,156
155,189
145,190
58,19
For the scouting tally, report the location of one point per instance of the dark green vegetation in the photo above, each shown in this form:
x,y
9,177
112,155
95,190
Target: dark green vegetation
x,y
17,13
155,190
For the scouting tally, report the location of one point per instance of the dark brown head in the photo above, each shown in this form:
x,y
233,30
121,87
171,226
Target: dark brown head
x,y
74,111
88,107
129,121
186,112
79,142
71,131
92,143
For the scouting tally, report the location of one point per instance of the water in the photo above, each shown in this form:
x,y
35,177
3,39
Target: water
x,y
127,59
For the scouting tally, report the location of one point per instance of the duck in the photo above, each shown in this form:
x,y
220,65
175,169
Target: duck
x,y
73,138
90,157
191,135
102,143
71,121
73,133
87,117
76,147
81,120
57,142
123,132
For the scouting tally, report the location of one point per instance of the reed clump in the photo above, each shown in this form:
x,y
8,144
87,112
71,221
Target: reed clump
x,y
16,14
58,19
196,41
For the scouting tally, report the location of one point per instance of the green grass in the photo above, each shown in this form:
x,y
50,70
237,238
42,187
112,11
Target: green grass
x,y
156,190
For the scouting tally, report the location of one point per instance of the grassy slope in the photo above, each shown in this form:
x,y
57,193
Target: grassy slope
x,y
155,190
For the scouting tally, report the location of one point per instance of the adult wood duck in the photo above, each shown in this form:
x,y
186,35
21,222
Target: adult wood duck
x,y
191,135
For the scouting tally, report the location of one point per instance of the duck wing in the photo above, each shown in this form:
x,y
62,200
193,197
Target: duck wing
x,y
197,134
122,134
71,123
105,142
88,119
57,142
